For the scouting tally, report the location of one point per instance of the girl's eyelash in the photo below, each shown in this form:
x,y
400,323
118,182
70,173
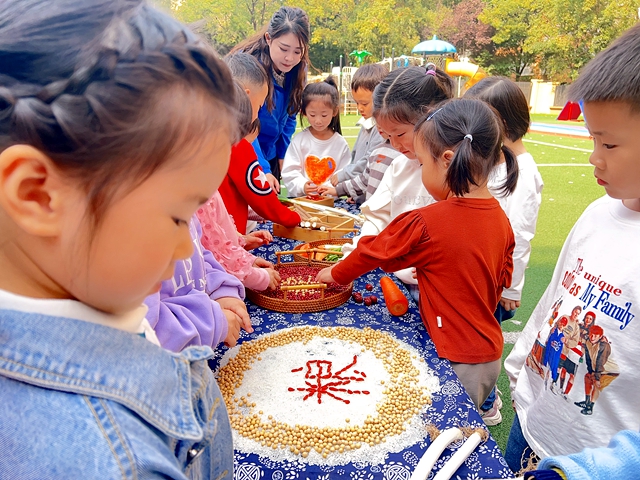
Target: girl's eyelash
x,y
179,222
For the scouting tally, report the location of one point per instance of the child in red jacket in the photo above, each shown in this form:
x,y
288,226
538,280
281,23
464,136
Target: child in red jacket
x,y
246,183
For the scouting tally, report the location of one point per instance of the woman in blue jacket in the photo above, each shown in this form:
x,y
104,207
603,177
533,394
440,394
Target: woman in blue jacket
x,y
282,47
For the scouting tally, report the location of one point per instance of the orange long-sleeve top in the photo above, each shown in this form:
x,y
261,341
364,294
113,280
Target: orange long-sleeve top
x,y
462,251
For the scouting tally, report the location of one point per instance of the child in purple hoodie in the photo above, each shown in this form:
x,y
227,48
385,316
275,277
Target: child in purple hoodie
x,y
201,304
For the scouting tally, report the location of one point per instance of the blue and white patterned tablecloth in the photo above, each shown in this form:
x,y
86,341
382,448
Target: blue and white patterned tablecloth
x,y
451,406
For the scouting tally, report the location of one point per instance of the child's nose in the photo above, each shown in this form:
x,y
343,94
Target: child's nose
x,y
184,249
395,142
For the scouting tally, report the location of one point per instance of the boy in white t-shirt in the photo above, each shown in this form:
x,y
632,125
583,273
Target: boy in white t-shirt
x,y
597,271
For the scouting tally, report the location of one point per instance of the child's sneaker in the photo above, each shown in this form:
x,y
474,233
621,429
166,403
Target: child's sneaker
x,y
492,416
498,402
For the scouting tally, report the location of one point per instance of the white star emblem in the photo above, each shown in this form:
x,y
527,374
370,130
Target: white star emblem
x,y
262,178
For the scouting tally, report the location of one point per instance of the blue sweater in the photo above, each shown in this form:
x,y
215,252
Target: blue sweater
x,y
277,126
620,460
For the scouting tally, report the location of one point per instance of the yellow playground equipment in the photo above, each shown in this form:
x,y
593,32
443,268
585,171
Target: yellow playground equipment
x,y
470,70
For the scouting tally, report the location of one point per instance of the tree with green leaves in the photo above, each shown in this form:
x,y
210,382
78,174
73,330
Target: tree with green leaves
x,y
512,21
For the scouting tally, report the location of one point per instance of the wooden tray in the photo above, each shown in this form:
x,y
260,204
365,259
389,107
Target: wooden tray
x,y
335,226
301,257
324,200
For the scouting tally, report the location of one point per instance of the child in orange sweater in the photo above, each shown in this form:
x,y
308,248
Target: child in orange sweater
x,y
461,268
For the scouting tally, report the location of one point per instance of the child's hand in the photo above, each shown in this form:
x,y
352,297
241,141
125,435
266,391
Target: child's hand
x,y
256,239
238,307
274,278
273,181
233,333
324,190
334,179
509,305
262,263
310,188
324,275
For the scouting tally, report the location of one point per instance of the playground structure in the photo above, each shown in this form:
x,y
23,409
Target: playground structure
x,y
471,71
457,69
543,97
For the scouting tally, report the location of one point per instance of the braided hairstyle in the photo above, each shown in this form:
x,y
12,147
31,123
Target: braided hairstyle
x,y
474,131
406,94
100,87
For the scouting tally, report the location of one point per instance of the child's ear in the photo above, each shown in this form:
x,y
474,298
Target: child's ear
x,y
336,111
31,190
446,157
248,91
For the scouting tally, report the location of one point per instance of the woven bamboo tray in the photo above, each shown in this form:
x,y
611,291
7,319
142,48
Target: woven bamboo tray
x,y
300,257
328,296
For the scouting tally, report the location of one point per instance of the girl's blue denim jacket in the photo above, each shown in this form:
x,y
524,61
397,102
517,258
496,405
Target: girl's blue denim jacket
x,y
80,400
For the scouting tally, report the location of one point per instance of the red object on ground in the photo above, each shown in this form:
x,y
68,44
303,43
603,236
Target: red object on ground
x,y
571,111
395,300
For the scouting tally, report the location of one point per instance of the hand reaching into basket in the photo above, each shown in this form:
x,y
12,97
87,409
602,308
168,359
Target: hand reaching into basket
x,y
274,276
324,275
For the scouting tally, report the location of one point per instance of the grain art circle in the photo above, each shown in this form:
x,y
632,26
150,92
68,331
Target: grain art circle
x,y
331,395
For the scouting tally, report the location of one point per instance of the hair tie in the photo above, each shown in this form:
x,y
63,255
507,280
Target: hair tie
x,y
469,136
430,69
431,115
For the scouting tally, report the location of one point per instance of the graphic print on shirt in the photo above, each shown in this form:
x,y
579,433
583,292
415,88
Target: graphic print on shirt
x,y
572,346
319,169
257,180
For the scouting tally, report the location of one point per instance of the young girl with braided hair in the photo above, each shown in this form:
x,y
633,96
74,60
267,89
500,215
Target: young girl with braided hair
x,y
107,148
461,246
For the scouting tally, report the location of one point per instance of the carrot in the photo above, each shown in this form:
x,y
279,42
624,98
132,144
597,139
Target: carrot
x,y
396,302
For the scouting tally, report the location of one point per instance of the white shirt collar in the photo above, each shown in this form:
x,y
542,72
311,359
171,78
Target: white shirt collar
x,y
367,123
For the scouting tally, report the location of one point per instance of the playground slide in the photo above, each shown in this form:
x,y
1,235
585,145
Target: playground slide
x,y
466,69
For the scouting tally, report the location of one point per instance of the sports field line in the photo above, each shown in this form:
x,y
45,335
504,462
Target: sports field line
x,y
586,150
564,165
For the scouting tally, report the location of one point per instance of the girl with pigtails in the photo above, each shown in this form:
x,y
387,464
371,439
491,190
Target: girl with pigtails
x,y
461,246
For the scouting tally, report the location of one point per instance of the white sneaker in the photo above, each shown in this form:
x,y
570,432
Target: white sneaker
x,y
492,416
498,402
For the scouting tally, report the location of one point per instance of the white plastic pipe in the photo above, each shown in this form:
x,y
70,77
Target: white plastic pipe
x,y
431,456
458,458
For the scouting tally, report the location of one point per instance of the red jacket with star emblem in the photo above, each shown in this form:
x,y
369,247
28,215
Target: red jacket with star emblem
x,y
246,185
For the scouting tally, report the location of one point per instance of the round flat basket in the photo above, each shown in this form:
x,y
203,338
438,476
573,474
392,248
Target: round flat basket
x,y
318,244
302,300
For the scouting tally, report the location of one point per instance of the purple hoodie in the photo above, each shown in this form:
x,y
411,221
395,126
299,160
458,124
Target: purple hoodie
x,y
184,312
